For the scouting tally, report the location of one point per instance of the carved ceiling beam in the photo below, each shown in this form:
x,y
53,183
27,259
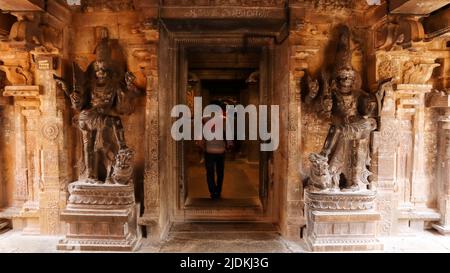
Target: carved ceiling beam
x,y
415,7
438,24
23,5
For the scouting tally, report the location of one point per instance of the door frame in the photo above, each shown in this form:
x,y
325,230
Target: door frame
x,y
179,43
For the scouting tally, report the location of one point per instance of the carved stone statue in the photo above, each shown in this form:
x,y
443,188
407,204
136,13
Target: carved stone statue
x,y
345,157
101,95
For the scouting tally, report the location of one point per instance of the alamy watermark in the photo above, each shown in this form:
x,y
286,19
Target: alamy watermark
x,y
208,123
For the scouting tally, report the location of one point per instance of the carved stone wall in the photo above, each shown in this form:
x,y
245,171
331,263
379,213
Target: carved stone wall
x,y
39,144
37,151
406,163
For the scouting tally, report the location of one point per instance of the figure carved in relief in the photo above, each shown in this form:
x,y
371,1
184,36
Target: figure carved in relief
x,y
101,97
345,156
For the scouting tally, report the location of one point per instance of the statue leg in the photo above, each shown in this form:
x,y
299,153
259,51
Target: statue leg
x,y
333,136
89,153
109,164
119,132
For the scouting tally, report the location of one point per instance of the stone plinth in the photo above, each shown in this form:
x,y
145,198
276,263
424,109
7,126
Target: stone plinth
x,y
100,217
338,221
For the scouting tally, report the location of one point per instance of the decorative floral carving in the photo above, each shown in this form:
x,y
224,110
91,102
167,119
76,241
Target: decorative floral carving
x,y
98,196
340,201
385,68
415,72
50,131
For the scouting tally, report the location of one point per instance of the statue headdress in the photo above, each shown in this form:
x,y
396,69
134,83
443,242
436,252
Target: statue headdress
x,y
343,65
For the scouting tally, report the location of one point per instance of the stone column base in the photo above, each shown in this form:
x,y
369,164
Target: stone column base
x,y
27,222
341,222
100,218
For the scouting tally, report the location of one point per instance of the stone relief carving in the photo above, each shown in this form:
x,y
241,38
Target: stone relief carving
x,y
50,131
31,30
390,36
107,5
415,72
101,95
343,163
313,89
330,5
18,74
253,3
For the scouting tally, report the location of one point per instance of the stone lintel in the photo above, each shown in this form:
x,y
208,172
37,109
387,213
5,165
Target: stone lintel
x,y
344,217
415,7
22,5
28,91
223,12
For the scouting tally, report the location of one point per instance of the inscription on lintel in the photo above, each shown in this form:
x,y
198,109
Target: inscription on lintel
x,y
223,12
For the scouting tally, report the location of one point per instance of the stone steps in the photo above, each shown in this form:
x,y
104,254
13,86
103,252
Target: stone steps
x,y
230,227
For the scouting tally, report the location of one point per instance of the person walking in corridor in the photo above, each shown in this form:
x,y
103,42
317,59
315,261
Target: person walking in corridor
x,y
215,151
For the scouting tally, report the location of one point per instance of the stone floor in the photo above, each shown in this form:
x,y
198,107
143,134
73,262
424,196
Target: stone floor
x,y
226,238
241,180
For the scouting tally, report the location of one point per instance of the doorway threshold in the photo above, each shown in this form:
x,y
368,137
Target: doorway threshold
x,y
226,203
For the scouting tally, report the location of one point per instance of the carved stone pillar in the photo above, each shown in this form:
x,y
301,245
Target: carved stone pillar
x,y
146,56
412,180
386,143
54,140
27,157
299,56
442,102
400,145
150,219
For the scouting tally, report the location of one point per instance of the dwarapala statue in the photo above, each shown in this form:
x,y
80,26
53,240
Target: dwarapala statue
x,y
343,164
101,95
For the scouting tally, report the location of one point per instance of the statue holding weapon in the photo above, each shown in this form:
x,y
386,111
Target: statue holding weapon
x,y
101,95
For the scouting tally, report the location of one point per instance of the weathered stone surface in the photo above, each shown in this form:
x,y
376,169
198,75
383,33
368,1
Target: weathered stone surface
x,y
100,218
173,48
349,225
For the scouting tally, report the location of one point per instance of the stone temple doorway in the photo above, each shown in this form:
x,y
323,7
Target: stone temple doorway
x,y
228,76
242,161
234,75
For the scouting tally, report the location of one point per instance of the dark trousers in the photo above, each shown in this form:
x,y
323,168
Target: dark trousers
x,y
214,163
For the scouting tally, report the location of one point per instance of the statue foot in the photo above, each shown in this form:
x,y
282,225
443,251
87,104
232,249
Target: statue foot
x,y
334,189
109,181
91,180
352,188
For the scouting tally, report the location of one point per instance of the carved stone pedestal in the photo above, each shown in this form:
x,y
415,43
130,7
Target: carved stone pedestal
x,y
100,217
338,221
